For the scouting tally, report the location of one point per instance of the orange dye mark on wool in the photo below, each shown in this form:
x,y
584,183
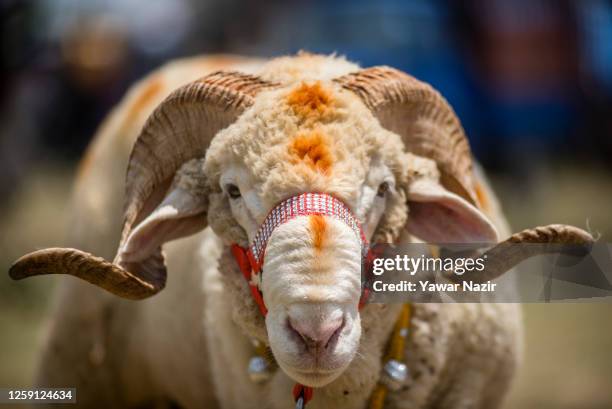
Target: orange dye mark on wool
x,y
309,100
312,149
318,226
481,195
152,88
85,165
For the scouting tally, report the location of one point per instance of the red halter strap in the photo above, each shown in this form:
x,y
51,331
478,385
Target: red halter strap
x,y
251,260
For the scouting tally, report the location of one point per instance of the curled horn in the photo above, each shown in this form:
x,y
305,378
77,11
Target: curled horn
x,y
90,268
180,129
429,127
422,117
512,251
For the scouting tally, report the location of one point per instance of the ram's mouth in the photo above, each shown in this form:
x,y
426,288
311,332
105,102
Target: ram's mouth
x,y
315,372
325,367
315,378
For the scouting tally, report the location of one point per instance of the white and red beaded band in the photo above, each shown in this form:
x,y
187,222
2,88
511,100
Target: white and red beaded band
x,y
305,204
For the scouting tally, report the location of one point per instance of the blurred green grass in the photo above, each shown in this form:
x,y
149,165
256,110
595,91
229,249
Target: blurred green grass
x,y
568,347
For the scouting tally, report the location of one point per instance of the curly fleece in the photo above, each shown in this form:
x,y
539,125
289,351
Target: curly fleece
x,y
459,355
286,152
190,344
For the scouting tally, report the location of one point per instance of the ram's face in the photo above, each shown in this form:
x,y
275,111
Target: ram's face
x,y
264,142
311,138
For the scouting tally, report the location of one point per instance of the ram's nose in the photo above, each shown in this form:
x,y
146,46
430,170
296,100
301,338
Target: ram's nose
x,y
316,334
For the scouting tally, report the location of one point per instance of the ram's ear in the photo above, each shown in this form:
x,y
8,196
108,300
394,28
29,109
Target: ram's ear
x,y
180,214
439,216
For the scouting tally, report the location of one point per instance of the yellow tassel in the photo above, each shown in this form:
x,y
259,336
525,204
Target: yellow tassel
x,y
395,351
377,400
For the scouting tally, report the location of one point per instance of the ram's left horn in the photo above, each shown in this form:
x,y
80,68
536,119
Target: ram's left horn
x,y
526,244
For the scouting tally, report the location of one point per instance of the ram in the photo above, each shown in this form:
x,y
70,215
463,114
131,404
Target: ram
x,y
282,172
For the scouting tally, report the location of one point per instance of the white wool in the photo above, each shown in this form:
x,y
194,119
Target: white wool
x,y
191,343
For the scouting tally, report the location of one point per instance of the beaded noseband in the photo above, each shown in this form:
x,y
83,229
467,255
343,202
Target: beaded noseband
x,y
250,260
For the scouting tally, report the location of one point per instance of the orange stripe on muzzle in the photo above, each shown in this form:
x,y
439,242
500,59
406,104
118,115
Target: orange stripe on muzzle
x,y
318,226
317,206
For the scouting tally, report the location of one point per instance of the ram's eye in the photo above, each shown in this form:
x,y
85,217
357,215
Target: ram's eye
x,y
233,191
382,189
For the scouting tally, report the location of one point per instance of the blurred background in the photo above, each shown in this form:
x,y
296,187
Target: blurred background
x,y
530,79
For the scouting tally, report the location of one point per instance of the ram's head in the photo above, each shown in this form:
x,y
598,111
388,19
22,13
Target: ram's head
x,y
226,149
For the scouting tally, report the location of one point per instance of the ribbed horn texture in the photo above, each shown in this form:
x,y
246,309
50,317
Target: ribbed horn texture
x,y
88,267
179,130
422,117
523,245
